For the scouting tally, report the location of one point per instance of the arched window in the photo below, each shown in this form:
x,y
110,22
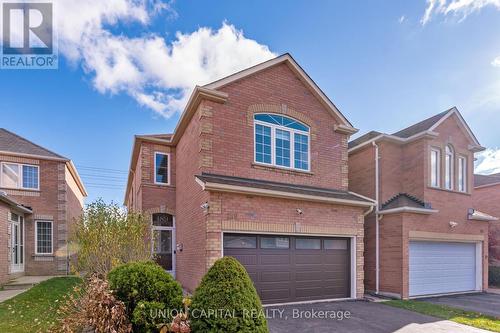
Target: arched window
x,y
449,167
281,141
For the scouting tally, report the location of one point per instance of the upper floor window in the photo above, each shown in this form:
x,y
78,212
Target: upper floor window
x,y
162,168
435,167
22,176
281,141
449,166
462,174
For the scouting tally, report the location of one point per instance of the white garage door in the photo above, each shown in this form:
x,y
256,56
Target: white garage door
x,y
437,268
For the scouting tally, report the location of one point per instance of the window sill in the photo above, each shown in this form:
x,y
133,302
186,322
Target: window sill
x,y
281,170
449,191
20,189
158,185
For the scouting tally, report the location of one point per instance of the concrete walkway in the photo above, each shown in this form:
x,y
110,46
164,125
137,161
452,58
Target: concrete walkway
x,y
20,285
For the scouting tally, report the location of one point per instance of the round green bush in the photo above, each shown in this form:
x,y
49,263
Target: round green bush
x,y
145,281
148,315
226,301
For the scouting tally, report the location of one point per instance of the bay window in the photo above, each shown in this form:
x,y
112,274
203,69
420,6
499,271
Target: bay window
x,y
281,141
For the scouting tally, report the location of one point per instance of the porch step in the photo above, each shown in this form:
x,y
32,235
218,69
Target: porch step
x,y
25,282
18,286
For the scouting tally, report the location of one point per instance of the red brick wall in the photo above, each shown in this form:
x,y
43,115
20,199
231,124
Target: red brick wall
x,y
407,169
391,254
276,90
362,172
52,202
487,200
237,212
190,219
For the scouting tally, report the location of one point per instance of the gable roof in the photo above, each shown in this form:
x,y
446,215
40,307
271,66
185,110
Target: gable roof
x,y
486,180
424,125
13,143
301,74
421,129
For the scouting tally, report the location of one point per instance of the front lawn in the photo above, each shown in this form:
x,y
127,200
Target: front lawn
x,y
470,318
36,309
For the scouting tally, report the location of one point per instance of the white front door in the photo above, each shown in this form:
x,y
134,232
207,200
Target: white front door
x,y
17,243
442,267
163,231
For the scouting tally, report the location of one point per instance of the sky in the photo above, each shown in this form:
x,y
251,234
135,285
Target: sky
x,y
127,67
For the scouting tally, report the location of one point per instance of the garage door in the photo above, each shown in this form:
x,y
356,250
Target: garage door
x,y
437,268
293,269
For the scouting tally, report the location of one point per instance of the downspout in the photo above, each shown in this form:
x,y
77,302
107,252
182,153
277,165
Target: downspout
x,y
377,231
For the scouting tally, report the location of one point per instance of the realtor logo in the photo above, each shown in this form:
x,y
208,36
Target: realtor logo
x,y
28,39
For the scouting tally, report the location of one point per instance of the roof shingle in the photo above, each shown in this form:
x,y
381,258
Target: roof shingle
x,y
270,185
13,143
482,180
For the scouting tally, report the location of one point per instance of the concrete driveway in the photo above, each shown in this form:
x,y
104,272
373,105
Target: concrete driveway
x,y
363,317
488,304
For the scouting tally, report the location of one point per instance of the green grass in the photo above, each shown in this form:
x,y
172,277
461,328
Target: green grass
x,y
36,309
470,318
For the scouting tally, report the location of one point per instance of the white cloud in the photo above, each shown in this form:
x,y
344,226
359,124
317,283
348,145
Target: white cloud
x,y
157,74
496,62
488,161
460,8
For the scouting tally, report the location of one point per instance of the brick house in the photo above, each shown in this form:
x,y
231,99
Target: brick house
x,y
427,235
256,169
487,199
40,195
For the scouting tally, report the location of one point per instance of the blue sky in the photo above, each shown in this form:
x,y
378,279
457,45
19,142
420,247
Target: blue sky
x,y
377,61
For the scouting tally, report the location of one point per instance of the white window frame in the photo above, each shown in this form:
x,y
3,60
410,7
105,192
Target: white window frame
x,y
449,169
168,168
438,168
462,172
51,237
20,176
273,144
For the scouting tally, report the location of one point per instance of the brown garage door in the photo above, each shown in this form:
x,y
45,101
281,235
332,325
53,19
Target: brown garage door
x,y
293,269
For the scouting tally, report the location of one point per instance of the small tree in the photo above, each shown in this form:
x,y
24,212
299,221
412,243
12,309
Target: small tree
x,y
106,236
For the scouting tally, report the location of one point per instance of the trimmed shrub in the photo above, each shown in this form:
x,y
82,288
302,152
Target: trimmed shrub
x,y
146,284
227,290
149,315
494,276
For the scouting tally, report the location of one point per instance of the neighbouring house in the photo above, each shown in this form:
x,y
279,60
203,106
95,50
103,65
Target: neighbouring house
x,y
487,199
40,195
257,169
427,235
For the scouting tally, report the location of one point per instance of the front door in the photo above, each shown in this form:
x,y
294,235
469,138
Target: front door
x,y
164,241
17,243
